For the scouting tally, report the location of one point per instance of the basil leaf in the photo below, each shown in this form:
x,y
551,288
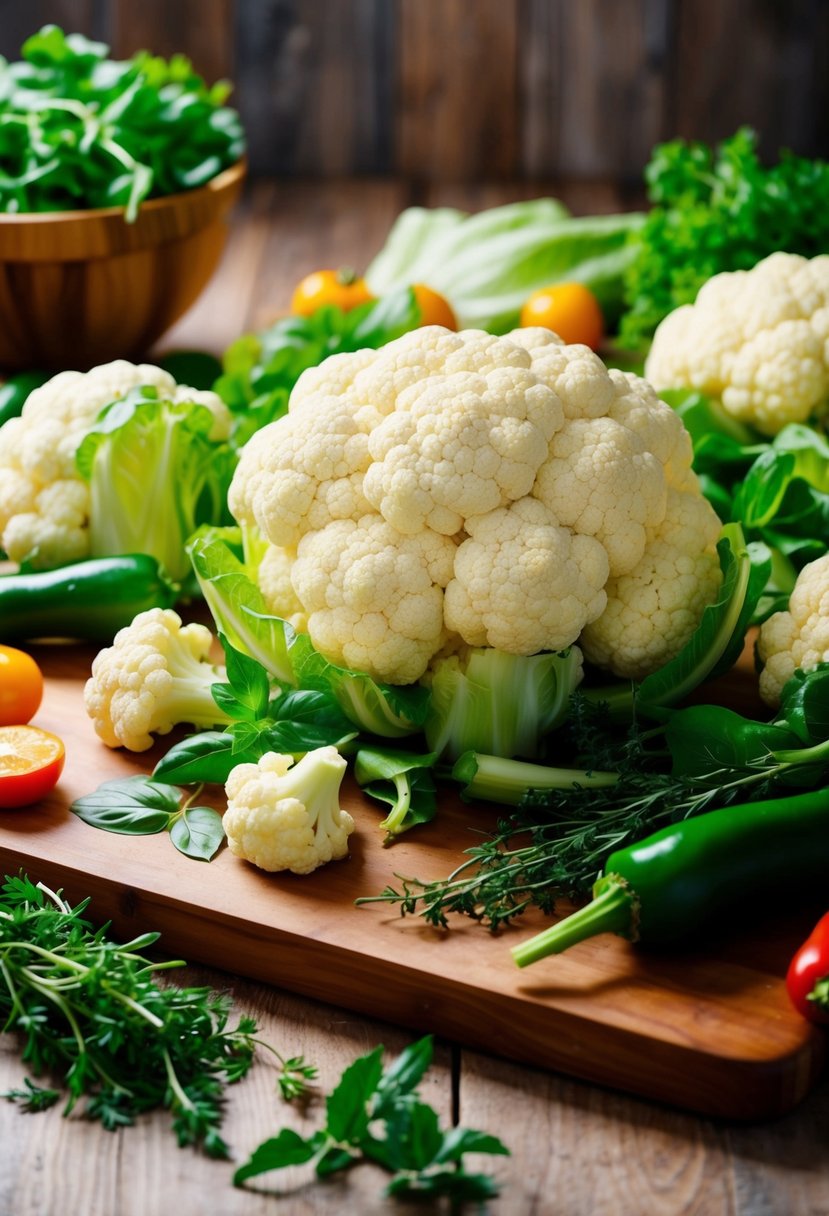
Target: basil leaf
x,y
288,1148
207,757
347,1107
198,832
132,806
248,681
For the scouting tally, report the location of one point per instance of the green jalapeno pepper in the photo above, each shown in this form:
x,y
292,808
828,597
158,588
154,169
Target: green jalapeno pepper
x,y
88,600
664,887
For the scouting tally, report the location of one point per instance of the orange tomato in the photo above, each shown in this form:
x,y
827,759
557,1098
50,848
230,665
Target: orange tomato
x,y
21,686
434,308
342,288
31,761
570,309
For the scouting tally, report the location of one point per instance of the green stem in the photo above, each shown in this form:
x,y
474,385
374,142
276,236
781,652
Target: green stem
x,y
498,780
613,910
400,809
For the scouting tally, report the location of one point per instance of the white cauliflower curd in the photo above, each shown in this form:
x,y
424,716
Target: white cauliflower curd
x,y
756,339
462,488
286,816
797,639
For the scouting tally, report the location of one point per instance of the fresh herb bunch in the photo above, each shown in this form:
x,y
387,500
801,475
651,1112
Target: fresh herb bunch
x,y
377,1115
79,130
90,1011
715,210
557,840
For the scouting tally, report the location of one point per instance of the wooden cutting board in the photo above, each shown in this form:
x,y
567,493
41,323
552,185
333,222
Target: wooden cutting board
x,y
707,1029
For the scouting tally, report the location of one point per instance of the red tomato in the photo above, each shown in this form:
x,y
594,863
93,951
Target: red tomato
x,y
809,966
31,761
21,686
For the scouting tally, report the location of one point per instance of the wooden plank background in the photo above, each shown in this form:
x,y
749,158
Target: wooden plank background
x,y
465,90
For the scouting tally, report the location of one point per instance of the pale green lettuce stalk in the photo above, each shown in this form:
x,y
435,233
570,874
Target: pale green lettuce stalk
x,y
486,265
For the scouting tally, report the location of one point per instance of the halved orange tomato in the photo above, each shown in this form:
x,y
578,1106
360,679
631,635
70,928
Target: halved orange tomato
x,y
31,762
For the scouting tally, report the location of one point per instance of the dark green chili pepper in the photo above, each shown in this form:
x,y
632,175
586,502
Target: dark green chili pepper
x,y
664,887
88,600
16,389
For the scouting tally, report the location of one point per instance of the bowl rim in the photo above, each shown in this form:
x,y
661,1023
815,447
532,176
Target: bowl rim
x,y
224,180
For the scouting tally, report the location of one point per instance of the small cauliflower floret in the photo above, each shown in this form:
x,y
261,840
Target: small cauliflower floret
x,y
274,578
374,597
757,339
524,584
221,414
798,639
301,472
652,611
434,467
155,675
44,503
286,816
600,481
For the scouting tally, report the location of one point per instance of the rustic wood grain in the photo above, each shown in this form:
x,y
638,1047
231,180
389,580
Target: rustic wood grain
x,y
689,1027
202,29
457,92
315,84
755,62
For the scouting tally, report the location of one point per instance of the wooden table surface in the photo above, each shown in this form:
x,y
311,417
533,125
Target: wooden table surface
x,y
577,1150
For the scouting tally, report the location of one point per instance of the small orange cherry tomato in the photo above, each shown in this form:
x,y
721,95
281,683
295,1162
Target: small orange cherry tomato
x,y
21,686
342,288
570,309
434,308
31,761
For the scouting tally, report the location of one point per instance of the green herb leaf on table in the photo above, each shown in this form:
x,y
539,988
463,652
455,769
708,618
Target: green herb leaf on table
x,y
403,780
375,1114
140,806
32,1097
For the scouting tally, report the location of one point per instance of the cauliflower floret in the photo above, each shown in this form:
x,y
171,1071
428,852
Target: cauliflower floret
x,y
600,481
286,816
301,472
274,578
374,597
652,611
221,414
434,467
524,584
758,339
155,675
44,503
799,638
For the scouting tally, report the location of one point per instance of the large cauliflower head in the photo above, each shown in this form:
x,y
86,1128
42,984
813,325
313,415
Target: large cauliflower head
x,y
495,491
797,639
757,339
44,503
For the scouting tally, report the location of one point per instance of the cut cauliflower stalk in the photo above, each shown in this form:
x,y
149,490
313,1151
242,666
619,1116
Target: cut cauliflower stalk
x,y
757,339
154,676
286,816
462,488
44,503
799,638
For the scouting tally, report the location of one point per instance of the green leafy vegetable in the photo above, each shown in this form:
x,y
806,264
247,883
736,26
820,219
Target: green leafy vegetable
x,y
155,474
79,130
139,806
241,615
715,210
375,1114
401,779
486,265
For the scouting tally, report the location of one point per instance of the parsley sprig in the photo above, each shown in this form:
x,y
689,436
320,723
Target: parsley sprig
x,y
90,1011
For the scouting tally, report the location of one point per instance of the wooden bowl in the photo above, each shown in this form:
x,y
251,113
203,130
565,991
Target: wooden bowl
x,y
78,288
